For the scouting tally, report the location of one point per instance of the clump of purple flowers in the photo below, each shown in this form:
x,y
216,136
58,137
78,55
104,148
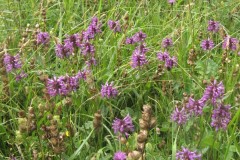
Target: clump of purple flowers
x,y
186,154
230,43
167,42
108,90
207,44
43,38
64,50
179,116
169,61
123,126
213,26
12,62
195,106
213,92
138,58
62,85
137,37
75,39
221,117
87,48
21,76
120,156
92,30
114,25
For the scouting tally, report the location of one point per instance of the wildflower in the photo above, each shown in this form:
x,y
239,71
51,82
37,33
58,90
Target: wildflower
x,y
114,25
167,42
186,154
75,39
87,48
221,117
213,92
195,106
213,26
65,50
12,62
207,44
139,37
138,59
169,61
21,76
123,126
82,74
120,156
56,86
91,61
129,41
92,30
179,116
171,1
230,43
108,90
43,38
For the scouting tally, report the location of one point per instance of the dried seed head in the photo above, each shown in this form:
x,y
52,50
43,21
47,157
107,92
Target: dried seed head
x,y
143,124
140,147
134,155
142,136
153,122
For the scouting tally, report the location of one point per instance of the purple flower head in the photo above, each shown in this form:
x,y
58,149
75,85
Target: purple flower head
x,y
82,74
186,154
163,56
170,62
87,48
91,61
92,30
108,90
221,117
207,44
12,62
73,82
129,41
141,49
120,156
75,39
65,50
43,38
138,59
21,76
114,25
195,106
171,1
123,126
213,26
213,92
139,37
179,116
167,42
230,43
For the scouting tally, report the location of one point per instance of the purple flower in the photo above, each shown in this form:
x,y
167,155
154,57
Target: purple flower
x,y
207,44
123,126
114,25
179,116
171,1
213,26
139,37
21,76
213,92
65,50
138,59
87,48
43,38
195,106
12,62
108,90
82,74
221,117
73,83
91,61
141,49
186,154
129,41
230,43
169,61
120,156
163,56
167,42
75,39
92,30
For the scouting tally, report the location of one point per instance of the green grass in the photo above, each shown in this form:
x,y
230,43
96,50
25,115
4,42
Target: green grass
x,y
186,24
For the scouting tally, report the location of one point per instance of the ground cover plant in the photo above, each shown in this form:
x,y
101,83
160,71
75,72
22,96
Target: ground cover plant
x,y
108,79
